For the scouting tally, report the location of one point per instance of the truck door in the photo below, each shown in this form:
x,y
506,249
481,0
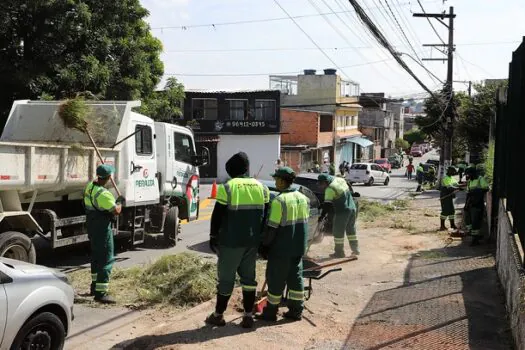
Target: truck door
x,y
143,165
186,173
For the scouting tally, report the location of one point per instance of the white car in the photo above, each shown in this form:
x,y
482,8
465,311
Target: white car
x,y
36,306
368,173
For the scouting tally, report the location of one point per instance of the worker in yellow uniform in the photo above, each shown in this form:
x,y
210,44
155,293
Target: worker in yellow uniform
x,y
339,207
235,235
284,244
477,187
449,186
101,207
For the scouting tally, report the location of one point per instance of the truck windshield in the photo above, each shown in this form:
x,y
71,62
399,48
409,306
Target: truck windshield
x,y
184,149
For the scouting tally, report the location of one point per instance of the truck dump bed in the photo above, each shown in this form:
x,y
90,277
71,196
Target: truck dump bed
x,y
38,152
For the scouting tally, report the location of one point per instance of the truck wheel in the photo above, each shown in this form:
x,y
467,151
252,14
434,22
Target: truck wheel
x,y
172,226
17,246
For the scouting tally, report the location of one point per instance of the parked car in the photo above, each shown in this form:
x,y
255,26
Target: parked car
x,y
36,306
416,151
384,163
368,173
315,206
309,180
434,162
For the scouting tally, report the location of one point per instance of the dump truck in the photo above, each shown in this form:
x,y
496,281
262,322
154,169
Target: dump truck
x,y
45,166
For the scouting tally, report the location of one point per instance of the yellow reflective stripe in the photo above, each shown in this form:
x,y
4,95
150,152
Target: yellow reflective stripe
x,y
293,222
225,295
339,240
443,217
248,288
274,299
93,277
296,295
101,287
351,238
246,206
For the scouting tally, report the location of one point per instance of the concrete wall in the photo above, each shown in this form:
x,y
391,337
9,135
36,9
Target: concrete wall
x,y
509,263
261,149
292,159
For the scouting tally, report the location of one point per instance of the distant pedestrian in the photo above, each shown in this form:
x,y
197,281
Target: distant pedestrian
x,y
342,167
331,170
410,170
420,174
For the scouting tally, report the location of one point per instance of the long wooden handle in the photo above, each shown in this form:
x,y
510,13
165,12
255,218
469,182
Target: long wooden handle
x,y
320,267
102,160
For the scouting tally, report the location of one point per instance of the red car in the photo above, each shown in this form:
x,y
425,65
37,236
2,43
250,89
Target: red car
x,y
384,163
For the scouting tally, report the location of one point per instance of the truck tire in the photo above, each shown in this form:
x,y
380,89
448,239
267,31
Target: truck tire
x,y
172,226
16,245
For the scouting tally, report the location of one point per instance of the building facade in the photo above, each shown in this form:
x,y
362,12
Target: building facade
x,y
227,122
327,93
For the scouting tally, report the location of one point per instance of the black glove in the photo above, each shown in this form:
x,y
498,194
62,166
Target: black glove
x,y
214,244
120,200
356,194
264,251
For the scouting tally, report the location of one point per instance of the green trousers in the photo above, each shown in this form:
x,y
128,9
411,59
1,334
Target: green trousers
x,y
474,219
102,252
344,222
282,272
234,261
447,208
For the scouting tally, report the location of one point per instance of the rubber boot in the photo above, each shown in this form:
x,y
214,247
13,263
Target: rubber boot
x,y
248,300
215,319
443,227
475,241
293,315
269,313
354,246
453,224
338,254
105,299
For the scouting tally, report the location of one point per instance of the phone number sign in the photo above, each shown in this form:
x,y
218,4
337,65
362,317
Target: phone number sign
x,y
246,124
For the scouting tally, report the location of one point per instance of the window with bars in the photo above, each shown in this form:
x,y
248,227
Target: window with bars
x,y
265,110
238,109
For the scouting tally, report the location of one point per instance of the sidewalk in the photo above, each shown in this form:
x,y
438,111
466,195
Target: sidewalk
x,y
412,288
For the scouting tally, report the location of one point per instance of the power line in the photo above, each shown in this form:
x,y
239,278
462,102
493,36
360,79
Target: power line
x,y
402,30
312,40
263,20
262,74
475,65
384,42
430,22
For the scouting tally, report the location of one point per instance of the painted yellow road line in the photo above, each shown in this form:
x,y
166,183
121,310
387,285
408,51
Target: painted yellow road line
x,y
201,218
204,203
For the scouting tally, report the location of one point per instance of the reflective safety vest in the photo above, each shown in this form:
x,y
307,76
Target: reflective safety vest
x,y
98,199
289,213
420,169
339,194
245,198
476,189
448,185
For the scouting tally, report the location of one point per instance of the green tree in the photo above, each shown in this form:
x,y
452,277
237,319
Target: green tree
x,y
415,135
401,144
165,105
57,48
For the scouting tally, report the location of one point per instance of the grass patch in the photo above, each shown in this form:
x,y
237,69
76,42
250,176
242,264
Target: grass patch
x,y
369,211
400,223
180,280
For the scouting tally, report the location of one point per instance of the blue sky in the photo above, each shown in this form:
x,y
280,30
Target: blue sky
x,y
486,34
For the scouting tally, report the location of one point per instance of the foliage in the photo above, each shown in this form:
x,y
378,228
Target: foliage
x,y
488,157
473,124
165,105
401,144
74,114
371,210
416,136
57,48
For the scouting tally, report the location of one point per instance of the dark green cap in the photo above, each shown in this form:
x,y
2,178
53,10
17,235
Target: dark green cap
x,y
325,177
105,171
284,173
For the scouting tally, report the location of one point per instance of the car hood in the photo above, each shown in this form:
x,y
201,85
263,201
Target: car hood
x,y
23,266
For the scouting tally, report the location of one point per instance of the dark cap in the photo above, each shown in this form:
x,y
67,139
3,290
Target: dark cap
x,y
238,165
325,177
104,171
284,173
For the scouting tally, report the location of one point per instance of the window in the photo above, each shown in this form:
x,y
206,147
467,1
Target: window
x,y
325,124
238,109
358,166
265,110
204,108
314,203
143,140
348,121
184,149
354,120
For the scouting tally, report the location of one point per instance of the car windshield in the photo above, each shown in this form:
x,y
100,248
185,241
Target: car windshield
x,y
358,166
380,161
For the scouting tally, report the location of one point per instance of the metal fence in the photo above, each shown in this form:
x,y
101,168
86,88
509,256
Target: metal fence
x,y
510,143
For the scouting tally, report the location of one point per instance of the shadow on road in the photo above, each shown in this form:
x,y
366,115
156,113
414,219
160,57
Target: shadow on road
x,y
203,247
450,299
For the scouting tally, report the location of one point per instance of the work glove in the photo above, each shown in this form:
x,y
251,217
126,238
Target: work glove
x,y
356,194
264,251
214,244
120,200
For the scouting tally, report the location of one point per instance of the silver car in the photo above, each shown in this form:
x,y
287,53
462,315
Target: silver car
x,y
36,306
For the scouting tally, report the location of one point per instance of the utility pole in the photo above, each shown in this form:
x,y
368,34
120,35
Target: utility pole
x,y
469,82
445,157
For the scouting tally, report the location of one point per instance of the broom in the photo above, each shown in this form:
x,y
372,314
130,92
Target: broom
x,y
74,114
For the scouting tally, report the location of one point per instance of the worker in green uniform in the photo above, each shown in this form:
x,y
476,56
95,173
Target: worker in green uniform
x,y
477,186
449,186
235,235
101,207
283,245
420,176
339,207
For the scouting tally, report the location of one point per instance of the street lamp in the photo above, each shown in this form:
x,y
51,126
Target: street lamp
x,y
398,53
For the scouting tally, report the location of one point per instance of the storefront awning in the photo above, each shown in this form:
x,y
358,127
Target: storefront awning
x,y
361,141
